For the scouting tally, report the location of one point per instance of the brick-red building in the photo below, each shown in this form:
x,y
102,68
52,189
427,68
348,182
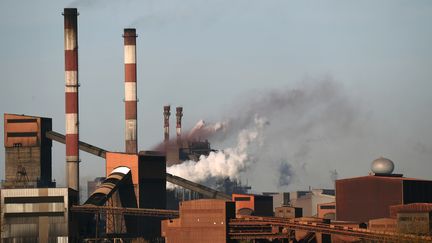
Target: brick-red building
x,y
369,197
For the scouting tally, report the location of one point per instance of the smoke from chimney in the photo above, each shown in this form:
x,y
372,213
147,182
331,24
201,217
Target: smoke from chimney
x,y
227,163
300,121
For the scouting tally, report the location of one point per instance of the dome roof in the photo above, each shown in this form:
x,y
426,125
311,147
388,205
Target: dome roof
x,y
382,166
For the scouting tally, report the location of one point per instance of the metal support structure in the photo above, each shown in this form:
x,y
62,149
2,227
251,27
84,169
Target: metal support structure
x,y
205,191
253,227
143,212
55,136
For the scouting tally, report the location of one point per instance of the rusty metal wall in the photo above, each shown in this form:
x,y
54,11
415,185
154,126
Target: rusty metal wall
x,y
27,151
364,198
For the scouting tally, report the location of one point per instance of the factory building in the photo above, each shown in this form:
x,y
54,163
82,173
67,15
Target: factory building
x,y
309,202
414,218
288,212
326,210
383,224
369,197
204,220
38,215
27,152
250,204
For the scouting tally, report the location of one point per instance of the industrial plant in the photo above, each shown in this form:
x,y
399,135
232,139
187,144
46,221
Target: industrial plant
x,y
132,203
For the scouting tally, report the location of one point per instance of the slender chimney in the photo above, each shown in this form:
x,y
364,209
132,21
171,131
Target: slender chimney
x,y
71,77
166,114
130,90
179,115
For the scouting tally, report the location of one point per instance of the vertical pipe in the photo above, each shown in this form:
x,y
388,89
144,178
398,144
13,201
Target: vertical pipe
x,y
71,96
166,115
179,115
130,90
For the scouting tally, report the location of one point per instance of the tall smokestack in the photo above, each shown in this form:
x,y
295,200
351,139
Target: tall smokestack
x,y
130,90
166,114
179,115
71,77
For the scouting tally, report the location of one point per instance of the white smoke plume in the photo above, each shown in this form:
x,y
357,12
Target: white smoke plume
x,y
225,163
303,122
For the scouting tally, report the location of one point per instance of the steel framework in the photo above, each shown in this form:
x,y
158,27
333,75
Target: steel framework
x,y
253,227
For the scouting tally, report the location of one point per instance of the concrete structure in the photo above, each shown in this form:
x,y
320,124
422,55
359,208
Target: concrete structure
x,y
131,127
383,224
38,215
326,210
249,204
130,91
204,220
309,201
28,159
71,96
288,212
369,197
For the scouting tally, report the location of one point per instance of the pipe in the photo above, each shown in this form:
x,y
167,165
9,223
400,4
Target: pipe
x,y
130,91
166,115
71,96
179,115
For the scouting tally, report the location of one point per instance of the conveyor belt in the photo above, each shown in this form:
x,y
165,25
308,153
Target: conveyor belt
x,y
205,191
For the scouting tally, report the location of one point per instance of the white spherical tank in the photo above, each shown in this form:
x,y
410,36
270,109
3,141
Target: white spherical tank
x,y
382,166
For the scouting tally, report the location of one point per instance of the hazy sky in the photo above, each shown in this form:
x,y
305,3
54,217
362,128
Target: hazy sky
x,y
216,57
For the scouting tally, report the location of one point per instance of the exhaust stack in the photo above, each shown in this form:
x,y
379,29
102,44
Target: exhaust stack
x,y
166,115
71,97
179,115
130,91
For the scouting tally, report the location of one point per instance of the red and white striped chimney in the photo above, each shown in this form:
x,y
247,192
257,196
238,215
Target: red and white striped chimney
x,y
71,90
130,91
166,114
179,115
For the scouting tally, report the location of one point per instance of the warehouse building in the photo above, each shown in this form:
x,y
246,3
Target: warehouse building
x,y
38,215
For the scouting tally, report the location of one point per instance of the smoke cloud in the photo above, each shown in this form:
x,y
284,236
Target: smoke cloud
x,y
285,174
300,121
227,163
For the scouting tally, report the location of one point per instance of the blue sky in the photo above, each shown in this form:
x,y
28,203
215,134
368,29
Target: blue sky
x,y
210,56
